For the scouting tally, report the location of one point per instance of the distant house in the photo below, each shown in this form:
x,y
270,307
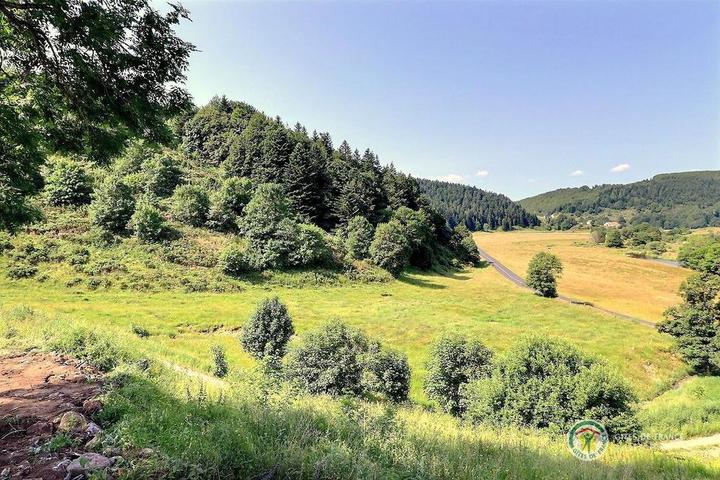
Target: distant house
x,y
611,224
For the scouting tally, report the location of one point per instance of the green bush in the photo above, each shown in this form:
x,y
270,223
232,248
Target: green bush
x,y
148,224
455,361
140,331
543,270
233,261
97,350
190,205
546,383
21,269
613,238
311,247
464,246
267,227
359,237
330,360
387,372
161,174
220,365
390,248
227,204
68,183
113,206
268,331
701,253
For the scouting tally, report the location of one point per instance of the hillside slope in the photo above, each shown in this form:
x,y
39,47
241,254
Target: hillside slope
x,y
684,199
474,207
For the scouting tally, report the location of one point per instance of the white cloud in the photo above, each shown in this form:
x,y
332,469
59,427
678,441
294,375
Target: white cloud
x,y
451,177
577,173
623,167
482,173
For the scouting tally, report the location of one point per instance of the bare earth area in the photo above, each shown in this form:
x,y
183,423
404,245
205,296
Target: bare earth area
x,y
36,392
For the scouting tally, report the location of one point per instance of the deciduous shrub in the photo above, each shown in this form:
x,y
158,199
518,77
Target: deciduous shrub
x,y
268,331
148,224
21,269
311,247
701,253
543,270
359,237
97,350
161,174
546,383
227,204
233,260
190,205
387,372
67,183
330,360
455,361
390,248
613,238
113,206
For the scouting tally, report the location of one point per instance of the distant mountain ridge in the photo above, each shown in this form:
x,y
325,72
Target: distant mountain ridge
x,y
668,200
476,208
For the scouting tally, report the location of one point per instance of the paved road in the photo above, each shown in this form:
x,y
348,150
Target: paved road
x,y
519,281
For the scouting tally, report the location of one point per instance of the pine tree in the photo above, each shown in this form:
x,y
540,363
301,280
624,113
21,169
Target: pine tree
x,y
303,181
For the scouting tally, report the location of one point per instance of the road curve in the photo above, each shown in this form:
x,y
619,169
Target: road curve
x,y
520,282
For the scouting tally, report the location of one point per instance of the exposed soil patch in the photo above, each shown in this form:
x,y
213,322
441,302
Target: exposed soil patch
x,y
35,390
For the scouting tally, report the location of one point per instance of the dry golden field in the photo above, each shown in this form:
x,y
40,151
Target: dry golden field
x,y
604,276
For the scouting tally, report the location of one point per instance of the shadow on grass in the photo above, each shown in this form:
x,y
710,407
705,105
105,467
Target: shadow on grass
x,y
422,282
259,435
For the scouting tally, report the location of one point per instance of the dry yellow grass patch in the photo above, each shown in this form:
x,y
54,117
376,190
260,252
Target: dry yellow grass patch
x,y
603,276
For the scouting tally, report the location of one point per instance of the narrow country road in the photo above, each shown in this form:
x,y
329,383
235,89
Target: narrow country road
x,y
520,282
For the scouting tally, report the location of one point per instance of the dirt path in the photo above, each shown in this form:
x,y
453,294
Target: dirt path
x,y
710,446
520,282
35,389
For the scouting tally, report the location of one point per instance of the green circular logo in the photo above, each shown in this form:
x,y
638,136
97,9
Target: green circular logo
x,y
587,439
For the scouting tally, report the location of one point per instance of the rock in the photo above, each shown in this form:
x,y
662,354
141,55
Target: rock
x,y
86,463
62,465
93,443
75,378
5,473
146,452
92,429
91,406
40,428
72,422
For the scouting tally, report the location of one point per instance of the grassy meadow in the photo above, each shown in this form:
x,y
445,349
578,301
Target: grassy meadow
x,y
597,274
408,315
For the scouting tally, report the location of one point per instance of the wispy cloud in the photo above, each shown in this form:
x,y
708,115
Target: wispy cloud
x,y
482,173
577,173
451,177
623,167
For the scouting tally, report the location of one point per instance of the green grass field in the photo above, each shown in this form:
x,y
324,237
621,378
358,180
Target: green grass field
x,y
408,315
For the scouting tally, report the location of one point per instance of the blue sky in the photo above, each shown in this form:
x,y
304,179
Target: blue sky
x,y
513,97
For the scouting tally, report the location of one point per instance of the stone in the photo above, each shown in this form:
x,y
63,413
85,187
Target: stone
x,y
146,452
93,443
86,463
72,422
92,429
91,406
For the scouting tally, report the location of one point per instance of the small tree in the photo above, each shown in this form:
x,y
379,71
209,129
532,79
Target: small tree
x,y
113,205
390,248
233,260
268,331
190,205
542,272
613,238
68,184
147,223
359,237
220,368
455,361
696,323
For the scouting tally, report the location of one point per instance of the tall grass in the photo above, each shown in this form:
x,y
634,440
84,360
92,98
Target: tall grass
x,y
247,425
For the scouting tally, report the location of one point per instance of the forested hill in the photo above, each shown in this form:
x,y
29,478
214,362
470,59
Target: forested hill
x,y
474,207
686,199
